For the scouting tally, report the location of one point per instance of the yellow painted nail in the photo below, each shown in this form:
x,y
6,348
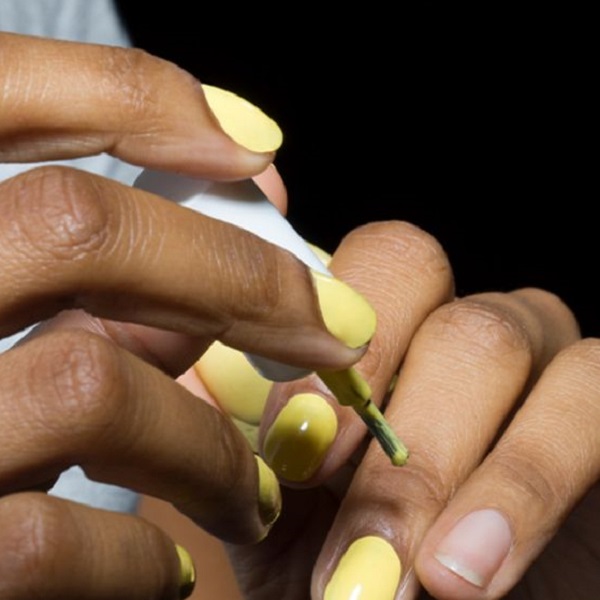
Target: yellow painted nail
x,y
269,494
244,122
187,573
300,436
369,570
347,315
233,382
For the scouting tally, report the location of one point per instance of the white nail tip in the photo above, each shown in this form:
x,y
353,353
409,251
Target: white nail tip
x,y
458,569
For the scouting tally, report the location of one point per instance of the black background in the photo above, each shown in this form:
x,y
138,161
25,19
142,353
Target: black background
x,y
471,122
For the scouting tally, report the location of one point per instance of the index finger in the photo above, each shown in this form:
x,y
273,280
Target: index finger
x,y
65,99
71,239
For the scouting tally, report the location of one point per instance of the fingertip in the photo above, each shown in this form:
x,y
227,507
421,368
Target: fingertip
x,y
247,136
185,129
272,185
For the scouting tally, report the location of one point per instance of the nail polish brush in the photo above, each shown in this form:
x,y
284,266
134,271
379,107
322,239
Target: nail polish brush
x,y
243,204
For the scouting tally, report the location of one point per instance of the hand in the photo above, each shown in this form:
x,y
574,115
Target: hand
x,y
497,400
133,289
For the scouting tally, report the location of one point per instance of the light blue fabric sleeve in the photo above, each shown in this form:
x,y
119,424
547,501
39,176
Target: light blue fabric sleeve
x,y
93,21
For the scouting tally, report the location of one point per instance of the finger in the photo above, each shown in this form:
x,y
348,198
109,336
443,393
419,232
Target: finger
x,y
170,351
90,403
64,100
56,549
173,352
465,370
511,507
70,239
405,275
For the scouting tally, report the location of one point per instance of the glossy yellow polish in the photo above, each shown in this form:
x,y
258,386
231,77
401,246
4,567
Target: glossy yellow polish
x,y
187,573
346,314
244,122
269,494
369,570
236,386
297,441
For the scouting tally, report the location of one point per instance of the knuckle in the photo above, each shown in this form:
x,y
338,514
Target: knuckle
x,y
127,72
390,240
80,380
59,213
139,79
33,525
430,485
531,477
483,326
425,487
579,366
398,259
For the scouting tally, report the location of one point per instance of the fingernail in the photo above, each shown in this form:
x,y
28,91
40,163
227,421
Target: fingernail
x,y
187,573
237,387
476,547
233,382
244,122
369,570
347,315
300,436
269,494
